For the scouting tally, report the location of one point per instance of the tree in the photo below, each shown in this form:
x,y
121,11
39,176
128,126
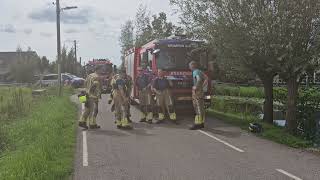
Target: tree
x,y
19,49
142,26
239,32
268,36
299,35
71,62
25,66
44,64
64,59
161,27
126,39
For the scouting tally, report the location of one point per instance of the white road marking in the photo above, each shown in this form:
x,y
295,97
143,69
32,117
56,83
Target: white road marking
x,y
221,141
84,149
288,174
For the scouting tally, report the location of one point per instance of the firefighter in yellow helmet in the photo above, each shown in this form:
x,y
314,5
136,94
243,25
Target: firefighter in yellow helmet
x,y
93,94
121,89
199,79
165,105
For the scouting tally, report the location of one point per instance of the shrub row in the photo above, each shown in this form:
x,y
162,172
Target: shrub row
x,y
250,92
229,104
308,104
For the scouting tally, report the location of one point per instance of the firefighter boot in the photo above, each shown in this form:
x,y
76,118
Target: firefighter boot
x,y
125,124
198,123
118,123
144,118
149,117
93,123
173,118
83,123
160,118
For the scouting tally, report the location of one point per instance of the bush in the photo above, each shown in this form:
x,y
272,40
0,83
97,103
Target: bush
x,y
228,104
308,104
239,91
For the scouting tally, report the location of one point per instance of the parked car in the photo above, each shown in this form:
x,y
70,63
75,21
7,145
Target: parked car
x,y
49,80
73,80
66,78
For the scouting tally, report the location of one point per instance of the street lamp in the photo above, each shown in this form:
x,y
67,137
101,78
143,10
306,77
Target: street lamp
x,y
58,11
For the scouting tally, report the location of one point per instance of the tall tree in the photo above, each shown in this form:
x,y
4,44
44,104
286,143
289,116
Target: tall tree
x,y
63,59
142,26
126,39
239,31
71,62
161,27
268,36
43,65
298,28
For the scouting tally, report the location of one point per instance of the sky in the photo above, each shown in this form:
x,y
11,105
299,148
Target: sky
x,y
95,24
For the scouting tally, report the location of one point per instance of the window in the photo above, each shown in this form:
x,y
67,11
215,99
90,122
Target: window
x,y
50,77
144,58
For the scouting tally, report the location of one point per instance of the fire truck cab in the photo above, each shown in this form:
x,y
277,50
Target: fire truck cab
x,y
172,55
107,72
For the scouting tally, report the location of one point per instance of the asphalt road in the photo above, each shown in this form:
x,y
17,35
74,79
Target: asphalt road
x,y
172,152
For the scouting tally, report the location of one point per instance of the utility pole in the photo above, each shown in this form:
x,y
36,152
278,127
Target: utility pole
x,y
58,10
75,56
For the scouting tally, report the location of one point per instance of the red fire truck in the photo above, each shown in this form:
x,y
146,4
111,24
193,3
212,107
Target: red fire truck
x,y
107,72
173,55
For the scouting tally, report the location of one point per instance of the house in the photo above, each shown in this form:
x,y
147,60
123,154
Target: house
x,y
7,59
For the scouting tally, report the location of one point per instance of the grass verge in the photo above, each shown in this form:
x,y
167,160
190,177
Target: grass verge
x,y
271,132
41,144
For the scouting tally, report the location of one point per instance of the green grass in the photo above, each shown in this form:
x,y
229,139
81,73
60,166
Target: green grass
x,y
271,132
14,102
41,144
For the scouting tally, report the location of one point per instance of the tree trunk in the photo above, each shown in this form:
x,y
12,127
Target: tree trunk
x,y
292,85
268,103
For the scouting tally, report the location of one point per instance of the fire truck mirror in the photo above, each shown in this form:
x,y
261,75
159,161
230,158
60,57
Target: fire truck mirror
x,y
156,51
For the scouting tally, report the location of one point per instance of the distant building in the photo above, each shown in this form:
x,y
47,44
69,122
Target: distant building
x,y
7,59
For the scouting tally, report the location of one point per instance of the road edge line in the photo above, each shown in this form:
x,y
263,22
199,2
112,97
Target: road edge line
x,y
84,149
221,141
288,174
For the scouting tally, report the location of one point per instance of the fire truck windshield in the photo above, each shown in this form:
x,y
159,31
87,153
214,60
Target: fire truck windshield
x,y
177,59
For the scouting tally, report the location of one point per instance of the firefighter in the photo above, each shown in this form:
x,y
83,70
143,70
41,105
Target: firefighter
x,y
121,93
143,83
93,94
129,83
161,86
199,79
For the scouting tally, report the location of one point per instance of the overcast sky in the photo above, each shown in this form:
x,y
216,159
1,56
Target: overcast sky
x,y
95,25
